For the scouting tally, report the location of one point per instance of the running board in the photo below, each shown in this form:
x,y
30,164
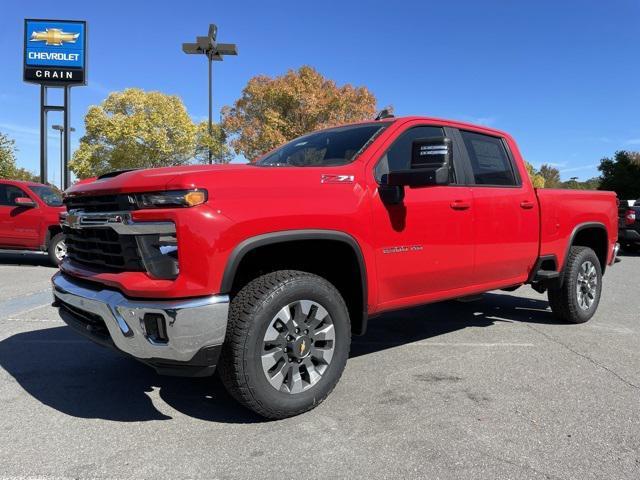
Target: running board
x,y
542,275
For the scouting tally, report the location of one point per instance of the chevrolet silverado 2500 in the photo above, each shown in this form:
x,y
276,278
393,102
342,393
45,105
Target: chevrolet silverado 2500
x,y
266,270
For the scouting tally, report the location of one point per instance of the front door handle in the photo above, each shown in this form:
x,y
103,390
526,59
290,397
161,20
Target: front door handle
x,y
526,204
460,205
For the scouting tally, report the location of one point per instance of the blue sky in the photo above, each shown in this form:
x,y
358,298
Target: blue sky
x,y
562,77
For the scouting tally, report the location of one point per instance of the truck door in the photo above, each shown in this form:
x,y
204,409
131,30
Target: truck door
x,y
424,245
506,227
19,225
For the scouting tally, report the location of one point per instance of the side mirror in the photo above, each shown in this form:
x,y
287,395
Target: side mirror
x,y
24,202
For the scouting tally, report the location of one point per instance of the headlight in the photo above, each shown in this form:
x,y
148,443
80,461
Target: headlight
x,y
171,199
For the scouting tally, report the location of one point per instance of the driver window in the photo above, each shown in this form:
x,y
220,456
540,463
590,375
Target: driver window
x,y
398,156
9,193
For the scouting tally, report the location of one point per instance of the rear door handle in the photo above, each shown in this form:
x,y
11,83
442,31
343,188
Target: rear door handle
x,y
460,205
527,205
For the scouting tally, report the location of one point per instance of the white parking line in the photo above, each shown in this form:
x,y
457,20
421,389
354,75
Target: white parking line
x,y
450,344
26,303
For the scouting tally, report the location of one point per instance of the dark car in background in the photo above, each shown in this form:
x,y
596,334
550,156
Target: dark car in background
x,y
30,218
629,225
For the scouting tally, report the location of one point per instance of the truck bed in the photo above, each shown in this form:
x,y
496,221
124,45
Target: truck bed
x,y
562,212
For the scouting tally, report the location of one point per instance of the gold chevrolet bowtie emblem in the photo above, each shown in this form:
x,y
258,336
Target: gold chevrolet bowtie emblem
x,y
303,347
54,36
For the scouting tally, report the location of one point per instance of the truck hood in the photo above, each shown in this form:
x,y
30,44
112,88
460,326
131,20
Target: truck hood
x,y
154,179
228,180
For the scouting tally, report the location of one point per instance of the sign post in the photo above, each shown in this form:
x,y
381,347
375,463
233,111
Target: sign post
x,y
55,53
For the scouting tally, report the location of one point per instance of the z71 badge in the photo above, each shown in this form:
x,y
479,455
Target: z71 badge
x,y
335,178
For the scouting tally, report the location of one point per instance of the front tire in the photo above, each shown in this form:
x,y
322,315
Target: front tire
x,y
576,301
57,249
287,343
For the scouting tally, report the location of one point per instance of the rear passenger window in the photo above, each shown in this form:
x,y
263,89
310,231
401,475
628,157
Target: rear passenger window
x,y
489,160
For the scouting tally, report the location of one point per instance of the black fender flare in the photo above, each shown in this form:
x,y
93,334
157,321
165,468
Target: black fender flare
x,y
251,243
584,226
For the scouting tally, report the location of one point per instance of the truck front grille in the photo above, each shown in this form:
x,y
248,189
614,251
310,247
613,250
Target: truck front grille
x,y
100,203
103,249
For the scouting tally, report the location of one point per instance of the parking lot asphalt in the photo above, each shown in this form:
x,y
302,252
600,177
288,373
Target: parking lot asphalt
x,y
491,389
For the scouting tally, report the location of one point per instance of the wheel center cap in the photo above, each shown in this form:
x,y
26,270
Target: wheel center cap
x,y
300,347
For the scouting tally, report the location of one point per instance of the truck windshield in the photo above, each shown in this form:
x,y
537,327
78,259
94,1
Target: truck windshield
x,y
334,146
48,195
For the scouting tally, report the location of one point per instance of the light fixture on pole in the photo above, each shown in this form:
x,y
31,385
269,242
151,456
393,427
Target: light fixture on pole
x,y
215,52
61,129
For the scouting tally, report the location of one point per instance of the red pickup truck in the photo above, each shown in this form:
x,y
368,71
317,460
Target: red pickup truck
x,y
266,270
30,218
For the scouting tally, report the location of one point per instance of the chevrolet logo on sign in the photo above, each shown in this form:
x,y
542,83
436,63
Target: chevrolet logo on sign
x,y
54,36
55,52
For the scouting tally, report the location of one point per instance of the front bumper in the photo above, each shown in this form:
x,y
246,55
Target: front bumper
x,y
189,341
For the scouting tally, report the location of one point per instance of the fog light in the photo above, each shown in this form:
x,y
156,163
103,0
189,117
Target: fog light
x,y
155,327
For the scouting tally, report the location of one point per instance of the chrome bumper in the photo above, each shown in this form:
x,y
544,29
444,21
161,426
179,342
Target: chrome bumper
x,y
191,324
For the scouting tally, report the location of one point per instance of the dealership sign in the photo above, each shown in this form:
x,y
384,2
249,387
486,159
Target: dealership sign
x,y
55,52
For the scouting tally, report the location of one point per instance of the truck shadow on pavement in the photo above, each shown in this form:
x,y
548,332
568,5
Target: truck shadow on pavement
x,y
76,377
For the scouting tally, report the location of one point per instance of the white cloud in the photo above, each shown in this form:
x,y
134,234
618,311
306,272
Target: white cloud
x,y
23,133
486,121
578,168
99,88
633,141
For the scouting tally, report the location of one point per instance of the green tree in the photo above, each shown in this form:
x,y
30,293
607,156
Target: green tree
x,y
592,183
217,142
8,167
272,111
621,174
551,176
7,156
574,184
135,129
536,178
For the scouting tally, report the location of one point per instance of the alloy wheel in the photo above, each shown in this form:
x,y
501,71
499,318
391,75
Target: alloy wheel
x,y
298,346
587,285
60,250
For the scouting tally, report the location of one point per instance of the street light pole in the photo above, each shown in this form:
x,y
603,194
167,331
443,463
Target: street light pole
x,y
63,178
210,104
214,51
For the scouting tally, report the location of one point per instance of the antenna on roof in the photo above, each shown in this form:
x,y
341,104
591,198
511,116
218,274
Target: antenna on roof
x,y
386,112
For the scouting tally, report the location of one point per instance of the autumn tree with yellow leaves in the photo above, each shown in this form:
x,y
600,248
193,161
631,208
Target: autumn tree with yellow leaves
x,y
272,111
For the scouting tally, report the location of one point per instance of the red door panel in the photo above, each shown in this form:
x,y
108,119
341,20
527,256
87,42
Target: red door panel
x,y
424,245
19,226
506,233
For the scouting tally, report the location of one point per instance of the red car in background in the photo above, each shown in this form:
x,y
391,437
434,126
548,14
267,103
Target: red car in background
x,y
30,218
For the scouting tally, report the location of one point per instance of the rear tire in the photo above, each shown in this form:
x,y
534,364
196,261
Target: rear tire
x,y
287,343
576,301
57,249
